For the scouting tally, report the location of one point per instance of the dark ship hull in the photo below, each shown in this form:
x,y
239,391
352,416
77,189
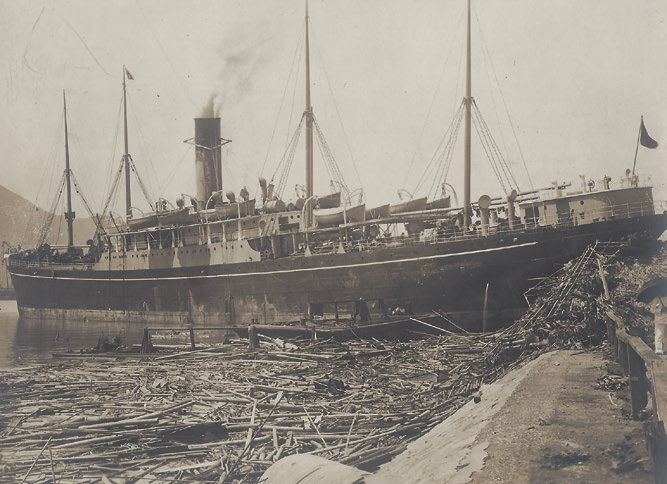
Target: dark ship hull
x,y
451,275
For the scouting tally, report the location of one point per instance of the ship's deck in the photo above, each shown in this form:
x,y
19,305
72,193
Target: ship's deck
x,y
341,240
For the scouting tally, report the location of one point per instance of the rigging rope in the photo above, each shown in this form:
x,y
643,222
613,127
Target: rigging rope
x,y
296,77
435,93
438,154
178,165
285,163
111,198
110,164
502,97
494,166
438,167
48,220
60,223
280,108
440,180
340,120
167,58
329,160
141,183
147,152
494,151
50,174
93,215
75,150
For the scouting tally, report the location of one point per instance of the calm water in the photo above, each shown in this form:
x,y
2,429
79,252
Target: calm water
x,y
24,343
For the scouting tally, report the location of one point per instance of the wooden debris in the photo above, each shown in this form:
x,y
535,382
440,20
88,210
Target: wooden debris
x,y
226,413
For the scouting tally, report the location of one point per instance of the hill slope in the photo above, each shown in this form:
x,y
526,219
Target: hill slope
x,y
20,222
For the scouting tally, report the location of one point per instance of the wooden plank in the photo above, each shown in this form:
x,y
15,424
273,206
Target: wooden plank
x,y
637,344
659,377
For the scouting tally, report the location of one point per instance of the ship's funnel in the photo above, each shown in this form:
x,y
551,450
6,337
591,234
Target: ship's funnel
x,y
208,164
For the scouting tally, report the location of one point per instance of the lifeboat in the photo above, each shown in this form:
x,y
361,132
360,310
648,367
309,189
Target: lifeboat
x,y
378,212
180,216
330,201
143,222
413,205
327,217
444,202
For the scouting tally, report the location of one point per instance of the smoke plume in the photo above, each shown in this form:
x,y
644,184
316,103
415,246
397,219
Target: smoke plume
x,y
242,56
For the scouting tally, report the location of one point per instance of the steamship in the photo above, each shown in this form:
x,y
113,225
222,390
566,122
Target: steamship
x,y
207,260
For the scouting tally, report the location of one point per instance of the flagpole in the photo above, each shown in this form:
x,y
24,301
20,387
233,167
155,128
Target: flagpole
x,y
639,133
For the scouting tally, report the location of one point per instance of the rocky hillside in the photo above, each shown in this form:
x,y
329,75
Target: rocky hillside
x,y
20,222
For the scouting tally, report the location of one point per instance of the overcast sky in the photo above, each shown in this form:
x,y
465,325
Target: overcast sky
x,y
387,75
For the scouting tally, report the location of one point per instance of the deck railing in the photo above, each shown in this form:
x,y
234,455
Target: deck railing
x,y
427,237
77,266
436,236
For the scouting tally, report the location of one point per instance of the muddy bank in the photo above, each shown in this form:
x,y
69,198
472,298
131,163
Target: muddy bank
x,y
563,417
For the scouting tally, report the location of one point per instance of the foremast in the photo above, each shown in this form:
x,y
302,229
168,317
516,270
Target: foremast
x,y
467,148
69,215
126,153
309,118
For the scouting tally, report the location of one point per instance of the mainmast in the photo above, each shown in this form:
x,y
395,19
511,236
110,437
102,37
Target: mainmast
x,y
468,103
69,215
309,119
126,154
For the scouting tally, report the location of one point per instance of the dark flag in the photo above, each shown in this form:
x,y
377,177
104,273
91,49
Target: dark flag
x,y
645,139
131,78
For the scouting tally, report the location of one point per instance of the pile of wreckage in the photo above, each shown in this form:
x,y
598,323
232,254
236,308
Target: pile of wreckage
x,y
225,413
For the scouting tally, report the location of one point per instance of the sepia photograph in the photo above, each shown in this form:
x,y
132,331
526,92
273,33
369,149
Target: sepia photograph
x,y
333,241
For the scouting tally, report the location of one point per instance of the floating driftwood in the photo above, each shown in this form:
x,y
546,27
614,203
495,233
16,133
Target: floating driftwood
x,y
226,413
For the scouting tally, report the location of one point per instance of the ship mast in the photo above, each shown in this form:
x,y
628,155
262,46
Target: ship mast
x,y
69,215
309,119
126,154
468,103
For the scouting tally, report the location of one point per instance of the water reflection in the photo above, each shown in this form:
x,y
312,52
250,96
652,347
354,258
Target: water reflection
x,y
26,342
